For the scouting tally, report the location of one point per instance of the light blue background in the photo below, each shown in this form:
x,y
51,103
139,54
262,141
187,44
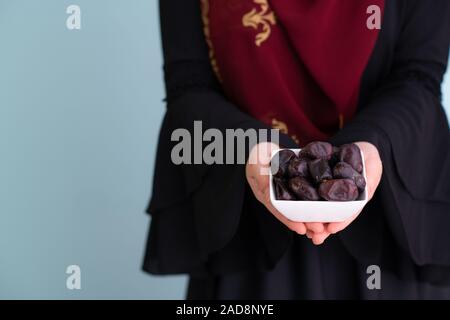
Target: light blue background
x,y
79,117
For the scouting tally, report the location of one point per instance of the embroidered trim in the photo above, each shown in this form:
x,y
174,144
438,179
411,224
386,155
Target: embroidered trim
x,y
341,120
207,32
282,126
264,17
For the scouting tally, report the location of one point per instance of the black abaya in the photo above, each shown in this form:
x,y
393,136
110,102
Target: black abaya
x,y
210,226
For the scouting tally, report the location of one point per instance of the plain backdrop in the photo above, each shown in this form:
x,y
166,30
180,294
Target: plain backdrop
x,y
79,118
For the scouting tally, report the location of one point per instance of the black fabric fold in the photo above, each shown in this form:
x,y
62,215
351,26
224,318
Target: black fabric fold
x,y
405,120
197,209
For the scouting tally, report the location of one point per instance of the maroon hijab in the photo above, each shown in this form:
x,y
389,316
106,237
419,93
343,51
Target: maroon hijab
x,y
294,64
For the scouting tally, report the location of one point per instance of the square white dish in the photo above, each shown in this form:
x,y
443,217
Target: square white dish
x,y
318,211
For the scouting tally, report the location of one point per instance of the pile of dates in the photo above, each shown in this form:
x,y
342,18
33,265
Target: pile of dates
x,y
319,172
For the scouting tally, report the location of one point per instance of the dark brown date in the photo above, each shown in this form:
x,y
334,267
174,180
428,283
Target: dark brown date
x,y
343,170
338,190
280,162
281,190
298,167
317,150
303,189
351,154
334,157
319,170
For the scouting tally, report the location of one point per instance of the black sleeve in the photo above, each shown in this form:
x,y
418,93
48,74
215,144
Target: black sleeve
x,y
196,209
404,118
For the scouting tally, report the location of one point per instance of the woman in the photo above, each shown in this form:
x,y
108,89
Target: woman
x,y
316,70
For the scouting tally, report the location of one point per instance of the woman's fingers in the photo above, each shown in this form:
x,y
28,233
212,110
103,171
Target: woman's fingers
x,y
315,227
374,170
261,190
261,154
335,227
258,166
317,238
298,227
257,170
373,166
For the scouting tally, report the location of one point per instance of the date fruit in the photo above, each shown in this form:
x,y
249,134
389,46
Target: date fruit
x,y
319,170
280,162
281,190
338,190
351,154
345,171
334,157
298,167
317,150
303,189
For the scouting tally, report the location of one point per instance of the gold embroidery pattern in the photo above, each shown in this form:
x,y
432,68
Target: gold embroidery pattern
x,y
264,17
279,125
206,31
282,126
341,121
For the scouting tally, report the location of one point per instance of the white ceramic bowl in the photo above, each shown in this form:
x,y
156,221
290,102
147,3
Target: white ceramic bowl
x,y
318,211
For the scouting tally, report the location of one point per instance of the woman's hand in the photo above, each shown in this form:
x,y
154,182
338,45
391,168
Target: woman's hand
x,y
374,170
257,173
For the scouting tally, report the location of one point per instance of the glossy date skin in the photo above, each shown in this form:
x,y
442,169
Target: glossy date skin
x,y
280,163
298,167
303,189
317,150
317,164
345,171
334,157
320,170
338,190
281,190
351,154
